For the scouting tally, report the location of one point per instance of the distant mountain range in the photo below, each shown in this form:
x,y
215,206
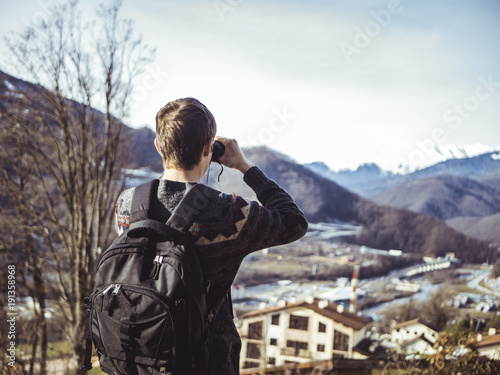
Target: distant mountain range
x,y
464,192
486,228
324,200
369,179
444,197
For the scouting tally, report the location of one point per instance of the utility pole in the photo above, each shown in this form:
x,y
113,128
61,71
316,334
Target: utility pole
x,y
354,292
354,281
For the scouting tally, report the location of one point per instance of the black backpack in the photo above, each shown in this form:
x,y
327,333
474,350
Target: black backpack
x,y
149,313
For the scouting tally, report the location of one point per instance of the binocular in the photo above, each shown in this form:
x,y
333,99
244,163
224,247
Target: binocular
x,y
218,150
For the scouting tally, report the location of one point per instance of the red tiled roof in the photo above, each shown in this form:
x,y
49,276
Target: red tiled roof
x,y
330,311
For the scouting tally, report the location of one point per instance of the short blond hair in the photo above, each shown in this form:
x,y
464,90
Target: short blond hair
x,y
183,127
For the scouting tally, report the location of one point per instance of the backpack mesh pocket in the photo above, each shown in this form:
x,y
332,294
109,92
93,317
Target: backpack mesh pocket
x,y
134,324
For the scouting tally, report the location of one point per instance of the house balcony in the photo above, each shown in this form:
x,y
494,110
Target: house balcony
x,y
300,353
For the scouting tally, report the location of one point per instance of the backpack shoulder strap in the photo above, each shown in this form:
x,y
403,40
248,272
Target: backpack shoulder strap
x,y
142,200
195,200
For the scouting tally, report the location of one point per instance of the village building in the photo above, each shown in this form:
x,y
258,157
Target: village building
x,y
418,345
489,345
414,337
300,332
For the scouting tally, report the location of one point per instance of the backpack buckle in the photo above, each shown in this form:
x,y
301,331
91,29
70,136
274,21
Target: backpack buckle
x,y
206,286
87,303
210,316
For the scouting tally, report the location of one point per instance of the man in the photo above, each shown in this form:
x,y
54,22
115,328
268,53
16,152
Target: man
x,y
229,227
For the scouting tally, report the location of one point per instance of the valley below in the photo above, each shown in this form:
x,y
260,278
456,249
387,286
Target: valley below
x,y
323,265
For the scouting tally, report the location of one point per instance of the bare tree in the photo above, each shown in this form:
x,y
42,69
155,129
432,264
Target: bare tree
x,y
436,310
23,228
62,171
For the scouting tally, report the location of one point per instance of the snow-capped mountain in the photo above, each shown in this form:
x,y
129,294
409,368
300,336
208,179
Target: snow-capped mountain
x,y
425,156
464,161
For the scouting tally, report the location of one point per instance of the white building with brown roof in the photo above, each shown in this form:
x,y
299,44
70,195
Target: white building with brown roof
x,y
489,345
300,332
414,337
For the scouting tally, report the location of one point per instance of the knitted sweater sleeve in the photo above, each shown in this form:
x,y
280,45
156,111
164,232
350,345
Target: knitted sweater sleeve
x,y
278,220
233,227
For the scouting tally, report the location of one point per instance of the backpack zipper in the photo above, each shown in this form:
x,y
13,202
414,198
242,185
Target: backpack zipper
x,y
155,272
107,289
113,295
136,248
165,301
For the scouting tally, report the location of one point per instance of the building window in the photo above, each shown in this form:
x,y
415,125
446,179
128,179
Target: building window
x,y
273,342
275,320
321,348
340,341
253,350
297,345
321,327
255,331
299,322
296,349
271,361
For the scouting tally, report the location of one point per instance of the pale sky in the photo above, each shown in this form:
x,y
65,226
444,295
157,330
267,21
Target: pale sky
x,y
343,82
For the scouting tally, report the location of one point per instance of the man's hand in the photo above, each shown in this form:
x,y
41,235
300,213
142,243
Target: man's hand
x,y
233,157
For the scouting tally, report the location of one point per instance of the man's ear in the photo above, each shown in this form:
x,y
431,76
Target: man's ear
x,y
157,147
208,147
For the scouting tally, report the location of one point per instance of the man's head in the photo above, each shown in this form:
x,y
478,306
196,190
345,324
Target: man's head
x,y
183,128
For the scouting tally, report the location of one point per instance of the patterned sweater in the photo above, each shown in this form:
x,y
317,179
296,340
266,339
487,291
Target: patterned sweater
x,y
227,230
